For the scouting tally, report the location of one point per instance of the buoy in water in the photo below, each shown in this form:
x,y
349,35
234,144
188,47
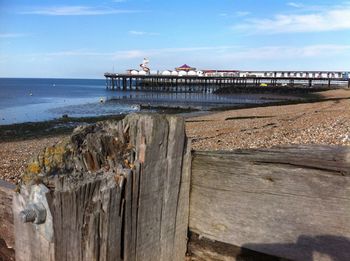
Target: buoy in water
x,y
136,107
30,94
102,100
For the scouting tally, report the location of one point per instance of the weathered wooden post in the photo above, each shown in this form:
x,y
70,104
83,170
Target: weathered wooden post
x,y
112,191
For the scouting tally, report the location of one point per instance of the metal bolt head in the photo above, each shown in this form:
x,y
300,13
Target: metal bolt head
x,y
34,213
27,215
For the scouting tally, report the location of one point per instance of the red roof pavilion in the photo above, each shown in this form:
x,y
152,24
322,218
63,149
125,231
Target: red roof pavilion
x,y
185,67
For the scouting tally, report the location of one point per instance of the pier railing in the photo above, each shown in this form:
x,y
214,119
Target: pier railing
x,y
191,83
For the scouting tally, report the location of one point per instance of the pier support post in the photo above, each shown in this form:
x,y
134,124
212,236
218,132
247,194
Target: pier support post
x,y
112,83
124,83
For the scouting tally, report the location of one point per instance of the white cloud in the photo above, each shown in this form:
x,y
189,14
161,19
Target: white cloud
x,y
141,33
85,62
11,35
224,54
290,52
236,52
333,19
76,10
238,57
296,5
236,14
166,52
129,54
242,13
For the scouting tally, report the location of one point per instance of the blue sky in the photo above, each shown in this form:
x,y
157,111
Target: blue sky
x,y
84,39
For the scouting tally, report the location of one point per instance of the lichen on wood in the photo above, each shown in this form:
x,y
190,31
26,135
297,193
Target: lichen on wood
x,y
89,150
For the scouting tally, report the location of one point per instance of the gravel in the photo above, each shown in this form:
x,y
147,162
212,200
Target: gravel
x,y
325,122
15,155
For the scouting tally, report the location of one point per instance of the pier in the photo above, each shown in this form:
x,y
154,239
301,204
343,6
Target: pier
x,y
210,84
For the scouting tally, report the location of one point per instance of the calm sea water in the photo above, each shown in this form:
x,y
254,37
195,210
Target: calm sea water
x,y
30,100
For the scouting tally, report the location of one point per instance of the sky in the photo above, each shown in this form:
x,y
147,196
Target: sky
x,y
85,39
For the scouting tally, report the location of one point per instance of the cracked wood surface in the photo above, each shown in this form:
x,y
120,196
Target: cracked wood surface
x,y
118,191
289,202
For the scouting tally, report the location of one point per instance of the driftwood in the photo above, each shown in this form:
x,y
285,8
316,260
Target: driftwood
x,y
289,202
114,191
7,240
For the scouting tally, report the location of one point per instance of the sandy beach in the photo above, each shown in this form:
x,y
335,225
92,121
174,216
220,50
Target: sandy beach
x,y
324,122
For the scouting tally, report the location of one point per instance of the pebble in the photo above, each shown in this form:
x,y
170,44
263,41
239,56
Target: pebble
x,y
16,154
325,122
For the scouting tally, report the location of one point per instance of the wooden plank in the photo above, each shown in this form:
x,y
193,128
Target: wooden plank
x,y
160,148
182,213
119,191
290,202
7,240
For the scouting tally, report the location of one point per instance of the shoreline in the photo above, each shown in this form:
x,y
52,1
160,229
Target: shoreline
x,y
322,121
64,125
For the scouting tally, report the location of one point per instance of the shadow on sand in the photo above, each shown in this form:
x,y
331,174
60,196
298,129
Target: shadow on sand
x,y
306,248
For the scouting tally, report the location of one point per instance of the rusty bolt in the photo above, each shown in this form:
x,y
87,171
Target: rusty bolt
x,y
34,213
27,215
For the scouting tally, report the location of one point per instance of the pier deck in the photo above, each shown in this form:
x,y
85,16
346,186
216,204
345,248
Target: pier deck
x,y
211,83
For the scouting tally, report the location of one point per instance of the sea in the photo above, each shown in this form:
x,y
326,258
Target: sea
x,y
32,100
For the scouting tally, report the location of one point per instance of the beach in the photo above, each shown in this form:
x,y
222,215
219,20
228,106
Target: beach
x,y
326,121
323,122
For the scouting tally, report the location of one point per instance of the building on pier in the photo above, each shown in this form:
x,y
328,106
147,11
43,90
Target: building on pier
x,y
132,71
294,74
185,68
223,73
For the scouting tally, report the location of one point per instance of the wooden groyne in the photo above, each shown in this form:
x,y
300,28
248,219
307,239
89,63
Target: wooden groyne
x,y
290,202
133,190
208,84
